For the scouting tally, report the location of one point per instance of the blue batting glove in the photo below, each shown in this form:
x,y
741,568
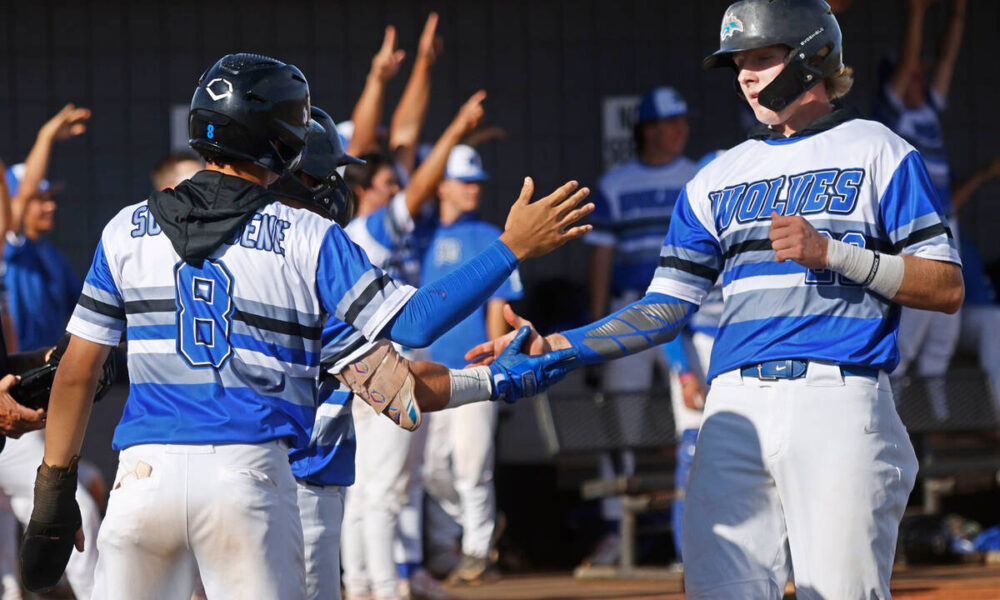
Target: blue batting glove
x,y
516,375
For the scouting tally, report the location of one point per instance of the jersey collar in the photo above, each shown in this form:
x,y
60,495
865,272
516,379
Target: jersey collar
x,y
824,123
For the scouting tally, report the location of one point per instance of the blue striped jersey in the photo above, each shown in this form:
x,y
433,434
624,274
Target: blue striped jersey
x,y
328,458
632,212
921,127
857,182
228,351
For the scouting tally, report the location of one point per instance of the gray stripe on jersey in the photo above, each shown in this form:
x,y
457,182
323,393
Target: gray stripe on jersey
x,y
152,318
834,301
293,342
148,293
356,291
96,318
169,368
102,296
928,220
289,315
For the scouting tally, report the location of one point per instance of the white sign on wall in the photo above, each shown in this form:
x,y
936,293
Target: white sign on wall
x,y
179,127
618,118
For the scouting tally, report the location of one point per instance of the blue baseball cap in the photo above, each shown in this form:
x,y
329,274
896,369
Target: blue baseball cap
x,y
14,175
464,164
661,103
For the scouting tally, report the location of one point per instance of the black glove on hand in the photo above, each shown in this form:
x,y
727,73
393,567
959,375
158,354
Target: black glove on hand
x,y
55,519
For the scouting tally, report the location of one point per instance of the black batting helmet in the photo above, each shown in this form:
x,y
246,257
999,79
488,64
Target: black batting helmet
x,y
250,107
321,161
807,27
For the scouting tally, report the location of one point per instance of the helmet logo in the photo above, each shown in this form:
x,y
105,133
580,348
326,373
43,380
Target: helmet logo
x,y
211,131
730,25
219,88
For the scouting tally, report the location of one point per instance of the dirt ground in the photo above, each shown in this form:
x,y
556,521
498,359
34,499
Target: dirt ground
x,y
968,582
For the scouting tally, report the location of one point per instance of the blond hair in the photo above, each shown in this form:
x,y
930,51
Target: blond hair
x,y
838,84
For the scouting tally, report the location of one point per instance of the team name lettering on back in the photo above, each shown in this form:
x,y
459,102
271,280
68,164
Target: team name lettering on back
x,y
262,232
822,191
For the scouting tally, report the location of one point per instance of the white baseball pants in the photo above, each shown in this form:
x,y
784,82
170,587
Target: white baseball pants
x,y
808,475
373,504
227,511
19,463
321,510
459,457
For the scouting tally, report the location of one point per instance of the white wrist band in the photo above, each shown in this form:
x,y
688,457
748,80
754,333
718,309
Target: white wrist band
x,y
881,273
469,385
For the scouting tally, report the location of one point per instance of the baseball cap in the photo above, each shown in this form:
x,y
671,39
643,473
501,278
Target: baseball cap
x,y
464,164
15,173
663,102
345,129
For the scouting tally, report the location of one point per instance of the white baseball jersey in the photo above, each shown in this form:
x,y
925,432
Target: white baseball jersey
x,y
856,182
228,351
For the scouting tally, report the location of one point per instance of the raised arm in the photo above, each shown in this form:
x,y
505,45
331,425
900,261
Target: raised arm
x,y
408,119
68,122
426,178
368,111
948,52
909,52
963,190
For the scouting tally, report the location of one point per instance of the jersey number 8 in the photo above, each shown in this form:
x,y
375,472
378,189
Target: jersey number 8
x,y
204,298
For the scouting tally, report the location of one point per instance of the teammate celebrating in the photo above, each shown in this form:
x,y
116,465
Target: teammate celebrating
x,y
821,225
224,292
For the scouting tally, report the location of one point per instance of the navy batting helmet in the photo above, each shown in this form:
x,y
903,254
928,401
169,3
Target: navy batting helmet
x,y
322,159
250,107
807,27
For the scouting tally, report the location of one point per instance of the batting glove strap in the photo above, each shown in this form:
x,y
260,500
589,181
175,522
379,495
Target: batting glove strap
x,y
55,519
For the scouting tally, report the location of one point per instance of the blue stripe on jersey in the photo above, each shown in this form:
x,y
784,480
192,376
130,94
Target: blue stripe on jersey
x,y
329,457
840,340
910,196
160,413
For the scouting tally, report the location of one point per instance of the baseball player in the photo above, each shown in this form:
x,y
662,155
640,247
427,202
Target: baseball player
x,y
460,445
634,202
820,225
224,292
327,464
912,108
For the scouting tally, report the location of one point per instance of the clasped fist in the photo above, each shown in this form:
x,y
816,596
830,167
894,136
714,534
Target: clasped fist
x,y
794,238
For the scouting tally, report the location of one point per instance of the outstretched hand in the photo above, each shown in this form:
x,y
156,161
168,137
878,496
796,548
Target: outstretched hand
x,y
68,122
386,62
516,375
539,227
487,352
471,113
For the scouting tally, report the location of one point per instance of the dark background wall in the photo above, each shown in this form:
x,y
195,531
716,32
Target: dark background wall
x,y
546,65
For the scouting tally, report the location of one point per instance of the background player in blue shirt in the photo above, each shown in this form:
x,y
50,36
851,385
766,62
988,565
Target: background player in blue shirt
x,y
458,473
41,286
634,202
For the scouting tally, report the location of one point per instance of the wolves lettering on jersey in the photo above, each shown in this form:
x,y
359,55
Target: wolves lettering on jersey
x,y
228,351
825,190
880,199
633,207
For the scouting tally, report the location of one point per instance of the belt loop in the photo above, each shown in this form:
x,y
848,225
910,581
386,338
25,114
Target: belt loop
x,y
824,374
